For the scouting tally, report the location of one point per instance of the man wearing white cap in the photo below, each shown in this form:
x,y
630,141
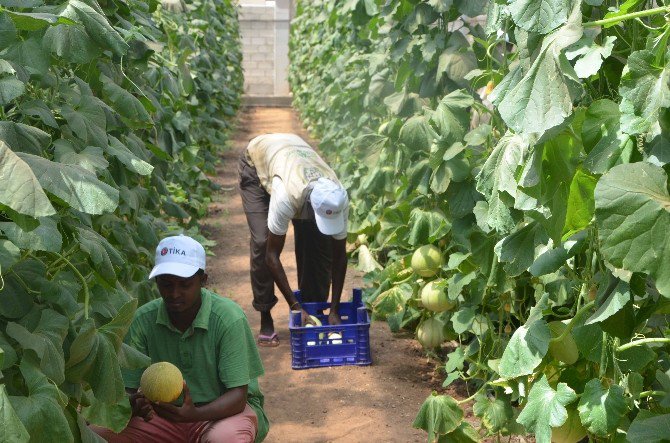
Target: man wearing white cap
x,y
209,339
283,179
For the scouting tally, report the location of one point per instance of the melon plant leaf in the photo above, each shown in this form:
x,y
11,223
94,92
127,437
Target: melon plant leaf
x,y
102,253
91,351
111,416
7,31
11,427
457,60
396,101
9,254
125,156
542,98
649,428
635,358
371,7
43,405
15,300
131,358
455,360
24,138
589,54
550,261
462,320
124,102
528,345
417,134
464,433
46,237
632,216
498,177
92,158
645,90
20,189
663,379
541,16
74,185
33,21
10,89
71,43
29,54
62,292
441,5
86,434
449,118
471,8
366,261
520,249
616,301
439,414
46,341
8,355
392,301
494,412
39,109
589,339
88,121
99,28
546,408
581,203
600,409
457,282
427,226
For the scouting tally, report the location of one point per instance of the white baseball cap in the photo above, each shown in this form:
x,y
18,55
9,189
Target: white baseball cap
x,y
178,255
329,201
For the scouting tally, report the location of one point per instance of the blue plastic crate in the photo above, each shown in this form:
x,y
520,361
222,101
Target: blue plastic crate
x,y
312,348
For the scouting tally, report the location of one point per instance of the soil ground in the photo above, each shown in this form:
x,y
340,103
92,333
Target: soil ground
x,y
347,403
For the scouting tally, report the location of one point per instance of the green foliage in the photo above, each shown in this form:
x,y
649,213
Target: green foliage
x,y
111,114
533,150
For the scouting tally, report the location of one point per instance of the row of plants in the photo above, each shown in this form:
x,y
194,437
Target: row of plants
x,y
111,114
507,167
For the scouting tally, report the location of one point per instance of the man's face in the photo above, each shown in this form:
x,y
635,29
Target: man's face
x,y
180,294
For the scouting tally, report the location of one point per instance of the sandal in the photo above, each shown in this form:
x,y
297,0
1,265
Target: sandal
x,y
268,341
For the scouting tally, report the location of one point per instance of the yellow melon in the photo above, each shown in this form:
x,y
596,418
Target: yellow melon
x,y
162,382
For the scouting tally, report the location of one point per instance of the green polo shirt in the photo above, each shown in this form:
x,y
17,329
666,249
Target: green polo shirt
x,y
218,352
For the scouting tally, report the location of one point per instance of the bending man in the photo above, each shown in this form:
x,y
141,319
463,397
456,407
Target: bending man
x,y
281,179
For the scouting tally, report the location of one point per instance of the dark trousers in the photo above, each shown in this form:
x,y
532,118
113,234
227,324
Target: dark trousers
x,y
312,249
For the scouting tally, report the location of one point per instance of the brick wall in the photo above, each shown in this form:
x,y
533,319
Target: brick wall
x,y
264,29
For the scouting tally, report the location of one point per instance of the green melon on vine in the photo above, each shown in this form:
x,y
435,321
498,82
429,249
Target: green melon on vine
x,y
430,333
566,349
427,260
571,431
434,296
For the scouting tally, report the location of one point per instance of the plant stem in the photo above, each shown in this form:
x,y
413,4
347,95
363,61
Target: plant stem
x,y
652,394
629,16
603,356
642,341
465,400
87,294
574,320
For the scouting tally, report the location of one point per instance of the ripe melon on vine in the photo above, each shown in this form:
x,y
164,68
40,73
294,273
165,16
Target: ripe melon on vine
x,y
565,350
427,260
434,296
430,333
162,382
571,431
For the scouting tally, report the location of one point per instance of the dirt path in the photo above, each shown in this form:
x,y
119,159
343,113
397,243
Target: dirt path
x,y
348,403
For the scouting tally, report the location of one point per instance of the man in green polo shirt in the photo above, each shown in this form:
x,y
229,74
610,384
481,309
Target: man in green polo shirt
x,y
209,339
